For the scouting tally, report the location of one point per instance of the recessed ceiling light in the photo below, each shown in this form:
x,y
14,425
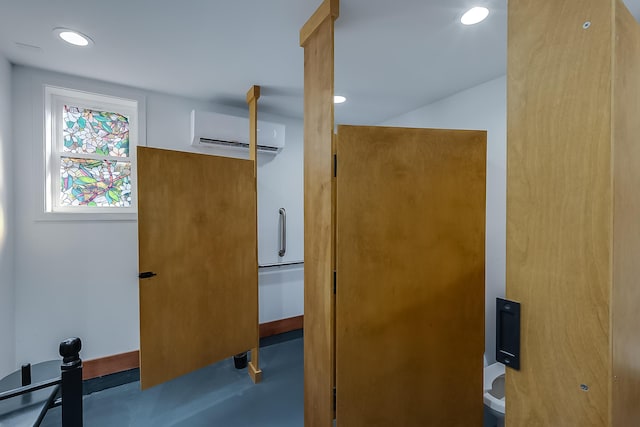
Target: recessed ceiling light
x,y
73,37
339,99
474,15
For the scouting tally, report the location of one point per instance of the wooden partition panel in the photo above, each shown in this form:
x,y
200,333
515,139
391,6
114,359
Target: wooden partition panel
x,y
410,276
317,39
626,268
197,233
572,212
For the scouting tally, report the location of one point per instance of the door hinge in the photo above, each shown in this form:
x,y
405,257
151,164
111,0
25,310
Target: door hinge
x,y
335,165
334,282
334,399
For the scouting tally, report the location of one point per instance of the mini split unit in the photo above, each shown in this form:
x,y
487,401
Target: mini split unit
x,y
209,130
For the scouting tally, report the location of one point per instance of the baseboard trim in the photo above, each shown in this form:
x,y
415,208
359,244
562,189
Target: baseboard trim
x,y
110,365
102,366
281,326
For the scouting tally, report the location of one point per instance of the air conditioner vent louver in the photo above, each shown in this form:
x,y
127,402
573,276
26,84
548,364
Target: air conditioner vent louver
x,y
219,130
237,144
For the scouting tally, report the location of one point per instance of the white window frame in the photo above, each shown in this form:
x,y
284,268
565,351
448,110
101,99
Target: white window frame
x,y
55,99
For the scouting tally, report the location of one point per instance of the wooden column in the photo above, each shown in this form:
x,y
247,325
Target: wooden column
x,y
252,99
625,294
316,36
573,212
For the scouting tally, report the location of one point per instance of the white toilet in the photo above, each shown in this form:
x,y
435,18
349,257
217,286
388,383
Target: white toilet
x,y
494,390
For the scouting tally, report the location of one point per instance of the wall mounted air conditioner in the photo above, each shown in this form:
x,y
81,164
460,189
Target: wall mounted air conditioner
x,y
221,130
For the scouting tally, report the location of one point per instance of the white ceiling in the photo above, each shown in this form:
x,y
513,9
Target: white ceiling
x,y
391,56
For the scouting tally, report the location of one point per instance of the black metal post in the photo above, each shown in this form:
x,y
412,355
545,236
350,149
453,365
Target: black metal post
x,y
71,382
25,374
25,377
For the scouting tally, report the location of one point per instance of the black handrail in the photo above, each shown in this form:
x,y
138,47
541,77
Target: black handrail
x,y
28,388
51,403
68,384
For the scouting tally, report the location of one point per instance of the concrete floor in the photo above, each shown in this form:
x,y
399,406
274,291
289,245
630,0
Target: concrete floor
x,y
218,395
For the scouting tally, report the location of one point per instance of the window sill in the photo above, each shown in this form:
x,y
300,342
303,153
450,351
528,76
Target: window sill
x,y
86,216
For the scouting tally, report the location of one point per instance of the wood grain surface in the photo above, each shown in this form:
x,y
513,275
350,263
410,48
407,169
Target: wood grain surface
x,y
318,225
559,210
410,277
625,310
253,94
197,232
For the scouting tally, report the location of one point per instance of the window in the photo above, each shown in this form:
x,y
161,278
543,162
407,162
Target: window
x,y
90,149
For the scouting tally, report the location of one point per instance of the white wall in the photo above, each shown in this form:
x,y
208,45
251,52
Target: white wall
x,y
7,318
482,107
79,278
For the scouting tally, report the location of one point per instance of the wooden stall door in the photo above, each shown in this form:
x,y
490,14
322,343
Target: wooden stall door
x,y
197,233
410,277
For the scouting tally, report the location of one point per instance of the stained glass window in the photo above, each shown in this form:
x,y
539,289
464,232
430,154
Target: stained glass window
x,y
90,131
90,145
99,178
98,183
